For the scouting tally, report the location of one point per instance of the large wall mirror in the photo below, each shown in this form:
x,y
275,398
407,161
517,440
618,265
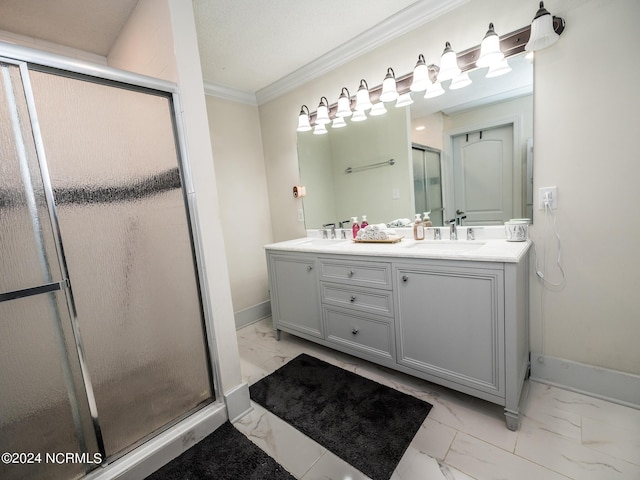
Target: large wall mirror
x,y
469,150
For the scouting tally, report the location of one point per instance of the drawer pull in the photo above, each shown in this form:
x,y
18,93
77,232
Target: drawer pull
x,y
354,331
405,278
353,298
351,273
309,268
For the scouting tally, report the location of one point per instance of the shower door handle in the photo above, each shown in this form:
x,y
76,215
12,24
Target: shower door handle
x,y
29,292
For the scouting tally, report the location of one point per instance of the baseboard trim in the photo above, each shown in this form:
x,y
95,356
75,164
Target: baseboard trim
x,y
160,450
611,385
238,402
252,314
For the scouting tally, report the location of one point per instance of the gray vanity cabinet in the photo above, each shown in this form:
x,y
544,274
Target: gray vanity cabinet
x,y
295,301
450,324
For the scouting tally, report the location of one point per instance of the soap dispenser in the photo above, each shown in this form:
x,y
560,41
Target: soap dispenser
x,y
355,227
364,222
418,228
426,221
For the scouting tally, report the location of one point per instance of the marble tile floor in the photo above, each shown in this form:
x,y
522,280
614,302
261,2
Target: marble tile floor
x,y
563,435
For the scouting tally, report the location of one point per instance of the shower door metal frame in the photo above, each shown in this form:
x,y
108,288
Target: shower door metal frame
x,y
23,57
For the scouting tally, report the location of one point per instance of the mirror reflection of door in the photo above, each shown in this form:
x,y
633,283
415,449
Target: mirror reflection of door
x,y
427,182
483,169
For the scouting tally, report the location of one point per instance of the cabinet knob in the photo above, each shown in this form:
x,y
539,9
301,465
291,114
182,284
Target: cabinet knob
x,y
405,278
353,298
354,331
309,268
351,273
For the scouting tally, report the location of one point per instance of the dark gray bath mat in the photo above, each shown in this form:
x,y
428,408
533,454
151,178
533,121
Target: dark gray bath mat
x,y
367,424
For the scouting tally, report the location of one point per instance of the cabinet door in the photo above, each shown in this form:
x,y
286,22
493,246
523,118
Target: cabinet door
x,y
451,324
295,293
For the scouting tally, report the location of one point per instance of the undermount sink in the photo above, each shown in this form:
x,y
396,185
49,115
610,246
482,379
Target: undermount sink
x,y
321,242
447,245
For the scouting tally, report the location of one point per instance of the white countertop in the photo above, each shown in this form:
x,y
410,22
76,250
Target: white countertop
x,y
482,250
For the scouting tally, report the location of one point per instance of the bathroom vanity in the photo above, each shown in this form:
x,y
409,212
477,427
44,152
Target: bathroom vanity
x,y
454,313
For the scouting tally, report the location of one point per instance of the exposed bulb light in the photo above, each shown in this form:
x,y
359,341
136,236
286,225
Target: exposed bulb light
x,y
404,100
460,81
420,79
303,120
359,116
378,109
344,104
490,53
498,69
448,64
320,129
338,122
322,114
434,90
389,88
363,99
542,33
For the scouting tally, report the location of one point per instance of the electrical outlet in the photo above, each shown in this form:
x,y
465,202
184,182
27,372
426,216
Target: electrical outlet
x,y
395,194
548,192
300,215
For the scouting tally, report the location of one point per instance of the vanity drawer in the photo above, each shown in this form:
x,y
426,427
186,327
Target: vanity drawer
x,y
367,274
371,335
368,300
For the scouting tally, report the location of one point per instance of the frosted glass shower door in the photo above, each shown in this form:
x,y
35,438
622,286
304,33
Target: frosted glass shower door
x,y
113,164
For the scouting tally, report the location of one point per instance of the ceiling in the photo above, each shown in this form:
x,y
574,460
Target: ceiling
x,y
246,45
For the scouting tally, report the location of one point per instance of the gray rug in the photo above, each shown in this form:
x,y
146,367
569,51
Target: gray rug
x,y
367,424
226,454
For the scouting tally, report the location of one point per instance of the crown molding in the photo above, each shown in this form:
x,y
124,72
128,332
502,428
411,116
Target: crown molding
x,y
395,26
228,93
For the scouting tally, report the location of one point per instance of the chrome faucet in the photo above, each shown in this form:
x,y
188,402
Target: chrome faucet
x,y
333,229
453,231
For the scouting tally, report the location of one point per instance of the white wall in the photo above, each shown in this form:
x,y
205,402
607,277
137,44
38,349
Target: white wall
x,y
583,144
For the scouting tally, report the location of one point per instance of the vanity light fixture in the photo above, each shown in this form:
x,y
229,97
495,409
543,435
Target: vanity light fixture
x,y
322,114
338,122
543,34
434,89
490,53
460,81
404,100
498,69
344,104
389,88
320,129
448,64
303,119
420,80
363,99
359,116
378,109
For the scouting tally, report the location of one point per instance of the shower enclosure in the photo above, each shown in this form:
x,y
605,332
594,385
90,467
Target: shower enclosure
x,y
102,338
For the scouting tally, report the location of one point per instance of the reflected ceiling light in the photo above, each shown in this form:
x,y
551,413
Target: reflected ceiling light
x,y
420,79
389,88
303,120
434,90
320,129
490,52
378,109
498,69
460,81
448,64
359,116
338,122
404,100
322,114
363,99
542,33
344,104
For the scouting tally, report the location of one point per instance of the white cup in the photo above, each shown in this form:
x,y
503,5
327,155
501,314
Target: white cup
x,y
516,230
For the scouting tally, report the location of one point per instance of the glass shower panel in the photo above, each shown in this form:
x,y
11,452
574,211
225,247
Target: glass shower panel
x,y
27,252
36,413
113,165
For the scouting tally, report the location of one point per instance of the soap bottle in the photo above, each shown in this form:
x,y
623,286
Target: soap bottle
x,y
364,222
418,228
426,221
355,228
